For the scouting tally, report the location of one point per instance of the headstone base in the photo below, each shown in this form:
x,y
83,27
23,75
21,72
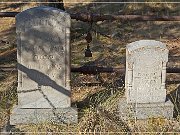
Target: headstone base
x,y
35,116
145,110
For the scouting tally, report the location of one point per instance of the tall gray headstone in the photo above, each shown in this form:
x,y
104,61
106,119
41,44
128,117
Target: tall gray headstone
x,y
43,47
145,79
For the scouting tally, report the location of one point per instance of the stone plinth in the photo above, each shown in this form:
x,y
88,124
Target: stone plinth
x,y
144,110
26,116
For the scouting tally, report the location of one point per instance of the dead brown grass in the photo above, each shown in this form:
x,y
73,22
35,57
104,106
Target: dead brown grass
x,y
97,107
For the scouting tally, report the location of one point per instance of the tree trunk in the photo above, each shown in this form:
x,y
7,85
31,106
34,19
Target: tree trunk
x,y
59,4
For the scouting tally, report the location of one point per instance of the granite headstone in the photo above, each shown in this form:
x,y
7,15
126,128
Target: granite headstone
x,y
43,55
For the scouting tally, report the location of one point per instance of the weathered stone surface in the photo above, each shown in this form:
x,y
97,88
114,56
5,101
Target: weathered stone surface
x,y
43,58
144,110
60,115
146,71
43,46
145,81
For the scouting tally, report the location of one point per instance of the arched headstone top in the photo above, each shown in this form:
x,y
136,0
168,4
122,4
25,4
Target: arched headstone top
x,y
146,47
144,44
42,15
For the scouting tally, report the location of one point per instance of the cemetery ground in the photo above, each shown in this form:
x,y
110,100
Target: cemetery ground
x,y
96,96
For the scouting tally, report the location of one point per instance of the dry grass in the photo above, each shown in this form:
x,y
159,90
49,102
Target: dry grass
x,y
8,96
98,104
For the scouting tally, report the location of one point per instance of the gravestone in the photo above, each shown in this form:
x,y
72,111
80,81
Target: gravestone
x,y
43,55
145,94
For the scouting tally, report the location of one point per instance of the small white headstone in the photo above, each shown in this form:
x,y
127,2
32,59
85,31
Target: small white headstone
x,y
145,81
146,71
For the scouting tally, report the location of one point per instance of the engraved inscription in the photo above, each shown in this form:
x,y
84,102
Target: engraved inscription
x,y
44,57
146,75
44,49
24,26
51,66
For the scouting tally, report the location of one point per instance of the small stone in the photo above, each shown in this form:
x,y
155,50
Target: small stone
x,y
145,80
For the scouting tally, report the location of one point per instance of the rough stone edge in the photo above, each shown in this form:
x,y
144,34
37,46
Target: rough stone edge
x,y
35,116
28,15
143,43
126,114
44,9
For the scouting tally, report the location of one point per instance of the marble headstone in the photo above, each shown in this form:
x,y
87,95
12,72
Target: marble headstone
x,y
145,79
146,71
43,55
